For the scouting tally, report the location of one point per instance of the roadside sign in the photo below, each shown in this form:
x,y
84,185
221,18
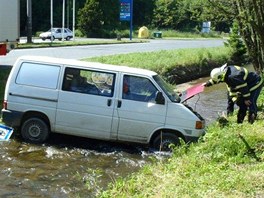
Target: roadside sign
x,y
125,10
126,13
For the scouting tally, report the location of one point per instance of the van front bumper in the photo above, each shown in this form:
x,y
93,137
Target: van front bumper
x,y
190,139
11,118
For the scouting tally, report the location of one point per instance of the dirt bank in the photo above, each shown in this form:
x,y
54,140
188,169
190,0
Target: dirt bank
x,y
182,74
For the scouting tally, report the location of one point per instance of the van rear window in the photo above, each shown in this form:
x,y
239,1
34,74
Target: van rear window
x,y
38,75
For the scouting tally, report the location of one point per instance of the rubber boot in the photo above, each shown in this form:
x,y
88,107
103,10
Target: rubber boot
x,y
240,117
251,118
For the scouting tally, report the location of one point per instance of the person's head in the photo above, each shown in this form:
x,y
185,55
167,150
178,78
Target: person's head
x,y
218,74
125,87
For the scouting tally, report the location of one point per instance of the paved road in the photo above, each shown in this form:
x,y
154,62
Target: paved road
x,y
78,52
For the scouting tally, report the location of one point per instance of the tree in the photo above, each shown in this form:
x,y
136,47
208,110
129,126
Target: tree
x,y
250,14
250,17
239,50
202,10
99,18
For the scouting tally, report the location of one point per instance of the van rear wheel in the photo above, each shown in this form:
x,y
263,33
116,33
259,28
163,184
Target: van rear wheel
x,y
164,141
35,130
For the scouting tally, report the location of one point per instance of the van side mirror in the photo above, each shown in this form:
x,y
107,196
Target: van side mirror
x,y
160,98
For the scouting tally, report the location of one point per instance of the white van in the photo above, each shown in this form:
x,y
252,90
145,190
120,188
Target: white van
x,y
95,100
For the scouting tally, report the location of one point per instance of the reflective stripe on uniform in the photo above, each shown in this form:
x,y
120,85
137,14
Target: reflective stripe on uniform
x,y
240,86
232,93
257,85
246,95
246,74
234,99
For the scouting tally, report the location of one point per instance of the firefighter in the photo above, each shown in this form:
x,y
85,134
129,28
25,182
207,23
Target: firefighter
x,y
243,87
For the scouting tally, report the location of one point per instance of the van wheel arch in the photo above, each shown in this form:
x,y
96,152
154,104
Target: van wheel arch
x,y
37,114
38,119
166,133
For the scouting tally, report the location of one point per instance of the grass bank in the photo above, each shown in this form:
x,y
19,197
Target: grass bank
x,y
220,165
177,66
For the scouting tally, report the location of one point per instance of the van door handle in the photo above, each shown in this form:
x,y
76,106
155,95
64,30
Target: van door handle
x,y
109,102
119,103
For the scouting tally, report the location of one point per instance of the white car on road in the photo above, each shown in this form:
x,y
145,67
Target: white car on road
x,y
57,33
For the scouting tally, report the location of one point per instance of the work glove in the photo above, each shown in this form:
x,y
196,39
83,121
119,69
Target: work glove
x,y
207,84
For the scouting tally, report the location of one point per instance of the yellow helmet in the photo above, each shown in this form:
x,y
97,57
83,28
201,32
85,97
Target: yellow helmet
x,y
217,74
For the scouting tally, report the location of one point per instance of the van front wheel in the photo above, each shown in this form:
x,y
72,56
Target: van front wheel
x,y
164,141
35,130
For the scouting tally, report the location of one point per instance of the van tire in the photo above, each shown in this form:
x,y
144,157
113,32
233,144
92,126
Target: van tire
x,y
163,141
35,130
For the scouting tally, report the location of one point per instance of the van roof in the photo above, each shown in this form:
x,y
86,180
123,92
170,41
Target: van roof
x,y
78,63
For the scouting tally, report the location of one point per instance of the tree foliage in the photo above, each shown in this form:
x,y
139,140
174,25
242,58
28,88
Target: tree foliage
x,y
250,16
173,14
239,50
98,18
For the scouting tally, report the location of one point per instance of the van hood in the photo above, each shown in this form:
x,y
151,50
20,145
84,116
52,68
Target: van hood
x,y
190,92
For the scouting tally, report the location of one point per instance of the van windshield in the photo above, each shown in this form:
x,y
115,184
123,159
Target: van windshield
x,y
167,88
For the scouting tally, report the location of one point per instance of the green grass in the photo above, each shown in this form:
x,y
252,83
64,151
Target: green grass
x,y
193,63
220,165
76,43
164,59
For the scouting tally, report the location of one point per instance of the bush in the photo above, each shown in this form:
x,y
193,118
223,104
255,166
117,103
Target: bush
x,y
239,50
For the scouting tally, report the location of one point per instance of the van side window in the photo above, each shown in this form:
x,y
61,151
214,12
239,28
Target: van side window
x,y
138,89
38,75
88,82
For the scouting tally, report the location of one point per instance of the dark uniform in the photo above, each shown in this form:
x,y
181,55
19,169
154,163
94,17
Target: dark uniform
x,y
244,88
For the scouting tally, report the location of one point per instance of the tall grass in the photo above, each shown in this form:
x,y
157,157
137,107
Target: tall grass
x,y
160,61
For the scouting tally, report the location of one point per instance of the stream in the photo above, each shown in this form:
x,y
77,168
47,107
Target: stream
x,y
68,166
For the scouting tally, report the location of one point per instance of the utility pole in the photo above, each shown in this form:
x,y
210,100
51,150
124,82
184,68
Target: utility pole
x,y
73,19
29,21
51,18
63,19
68,13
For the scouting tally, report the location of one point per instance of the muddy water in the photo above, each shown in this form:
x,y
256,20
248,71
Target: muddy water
x,y
78,167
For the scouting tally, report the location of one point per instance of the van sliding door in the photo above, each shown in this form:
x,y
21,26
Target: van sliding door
x,y
85,105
